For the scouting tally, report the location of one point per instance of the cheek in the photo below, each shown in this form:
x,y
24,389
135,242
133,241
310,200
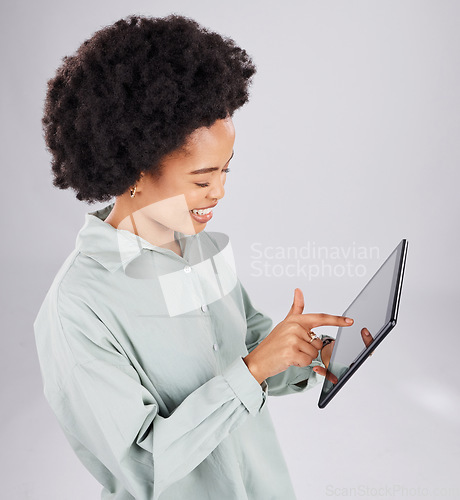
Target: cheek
x,y
179,189
194,198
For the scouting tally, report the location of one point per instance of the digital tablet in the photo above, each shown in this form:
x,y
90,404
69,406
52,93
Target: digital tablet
x,y
374,309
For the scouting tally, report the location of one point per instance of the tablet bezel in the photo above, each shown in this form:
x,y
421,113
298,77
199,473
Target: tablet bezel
x,y
392,315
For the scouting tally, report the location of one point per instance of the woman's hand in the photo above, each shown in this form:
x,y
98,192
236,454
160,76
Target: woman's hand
x,y
326,353
289,343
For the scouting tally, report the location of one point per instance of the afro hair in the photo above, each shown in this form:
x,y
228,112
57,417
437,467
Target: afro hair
x,y
131,94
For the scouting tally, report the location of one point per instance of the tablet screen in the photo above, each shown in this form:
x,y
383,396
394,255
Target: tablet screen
x,y
375,309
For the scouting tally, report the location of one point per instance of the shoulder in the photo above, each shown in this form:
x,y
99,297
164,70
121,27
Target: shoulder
x,y
77,277
71,295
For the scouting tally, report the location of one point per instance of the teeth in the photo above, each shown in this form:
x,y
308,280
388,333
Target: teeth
x,y
202,211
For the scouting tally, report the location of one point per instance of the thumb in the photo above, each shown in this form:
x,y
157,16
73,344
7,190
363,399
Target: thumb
x,y
298,304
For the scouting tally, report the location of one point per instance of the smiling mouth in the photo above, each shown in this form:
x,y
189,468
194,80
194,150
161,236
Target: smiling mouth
x,y
201,211
202,216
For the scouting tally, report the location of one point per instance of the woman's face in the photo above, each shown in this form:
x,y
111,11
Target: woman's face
x,y
190,179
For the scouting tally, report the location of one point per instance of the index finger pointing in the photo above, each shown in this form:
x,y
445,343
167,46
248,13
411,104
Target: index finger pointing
x,y
312,320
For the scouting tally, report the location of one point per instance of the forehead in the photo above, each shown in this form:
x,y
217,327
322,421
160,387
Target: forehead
x,y
205,147
211,141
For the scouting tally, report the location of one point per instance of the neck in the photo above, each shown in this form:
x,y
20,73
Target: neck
x,y
135,221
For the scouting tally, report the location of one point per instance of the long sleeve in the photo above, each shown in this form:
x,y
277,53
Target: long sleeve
x,y
141,354
110,417
293,380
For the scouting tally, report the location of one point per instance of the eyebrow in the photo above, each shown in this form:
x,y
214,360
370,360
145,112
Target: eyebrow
x,y
209,169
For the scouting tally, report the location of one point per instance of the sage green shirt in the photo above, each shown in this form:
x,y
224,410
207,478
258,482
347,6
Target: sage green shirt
x,y
141,357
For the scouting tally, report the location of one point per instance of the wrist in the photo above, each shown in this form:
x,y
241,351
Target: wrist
x,y
326,352
252,367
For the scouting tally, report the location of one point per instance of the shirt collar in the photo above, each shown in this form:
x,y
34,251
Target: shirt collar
x,y
113,247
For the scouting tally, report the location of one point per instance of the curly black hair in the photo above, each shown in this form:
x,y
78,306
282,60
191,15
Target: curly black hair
x,y
131,94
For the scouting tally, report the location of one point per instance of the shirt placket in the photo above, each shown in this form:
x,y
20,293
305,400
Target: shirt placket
x,y
214,343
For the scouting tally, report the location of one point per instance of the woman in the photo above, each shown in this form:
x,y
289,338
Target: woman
x,y
154,360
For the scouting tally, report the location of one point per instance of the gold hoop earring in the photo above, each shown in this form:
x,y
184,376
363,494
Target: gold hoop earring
x,y
133,191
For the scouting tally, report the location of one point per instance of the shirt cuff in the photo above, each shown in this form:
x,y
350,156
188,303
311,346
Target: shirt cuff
x,y
243,383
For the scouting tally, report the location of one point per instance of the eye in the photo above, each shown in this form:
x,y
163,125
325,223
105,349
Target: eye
x,y
206,184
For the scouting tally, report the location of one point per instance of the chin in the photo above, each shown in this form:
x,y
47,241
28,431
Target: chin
x,y
197,228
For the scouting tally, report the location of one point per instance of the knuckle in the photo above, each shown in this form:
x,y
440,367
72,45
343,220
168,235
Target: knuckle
x,y
291,341
289,326
294,328
290,350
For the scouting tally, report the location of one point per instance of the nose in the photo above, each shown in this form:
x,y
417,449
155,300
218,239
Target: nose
x,y
217,190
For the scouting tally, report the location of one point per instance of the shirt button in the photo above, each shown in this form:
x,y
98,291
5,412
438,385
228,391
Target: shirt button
x,y
215,347
204,307
187,269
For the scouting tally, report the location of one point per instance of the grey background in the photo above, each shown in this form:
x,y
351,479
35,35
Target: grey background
x,y
350,139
